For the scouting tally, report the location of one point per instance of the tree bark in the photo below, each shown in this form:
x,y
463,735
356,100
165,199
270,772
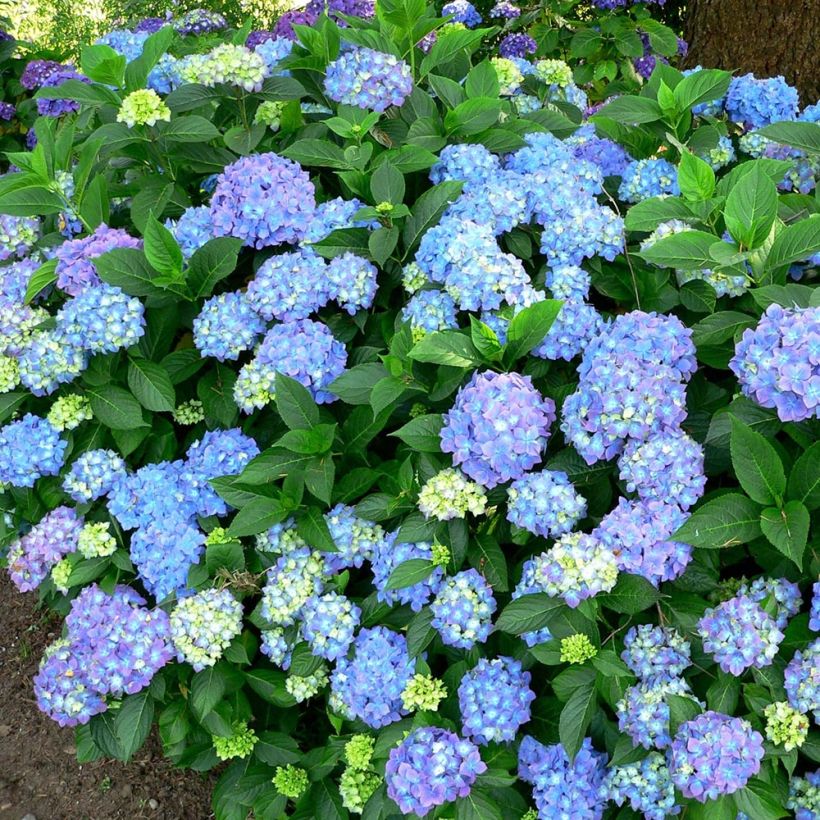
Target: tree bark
x,y
766,37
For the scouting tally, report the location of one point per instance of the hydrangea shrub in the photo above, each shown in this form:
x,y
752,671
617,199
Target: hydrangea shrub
x,y
407,436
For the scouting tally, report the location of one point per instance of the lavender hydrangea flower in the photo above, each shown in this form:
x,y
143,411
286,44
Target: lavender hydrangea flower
x,y
429,311
643,712
505,9
494,698
29,449
498,427
777,365
127,43
517,44
75,258
462,609
227,326
263,199
576,325
802,680
368,79
37,72
562,788
430,767
199,22
352,282
31,558
778,597
529,585
646,786
656,652
17,235
355,538
46,360
714,754
545,503
370,683
471,163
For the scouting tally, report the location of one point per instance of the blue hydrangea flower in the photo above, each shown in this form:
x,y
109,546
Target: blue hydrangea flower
x,y
498,427
276,646
17,235
227,326
802,680
164,552
463,608
714,754
643,712
779,597
470,163
102,319
290,286
272,51
738,633
192,230
58,107
369,79
352,282
668,466
576,325
645,178
562,788
463,12
291,582
199,22
517,44
355,538
545,503
529,585
30,448
804,797
638,533
776,362
94,475
656,652
31,558
430,767
429,311
203,626
304,350
814,616
328,624
647,787
47,360
755,102
500,203
127,43
389,554
263,199
332,215
494,698
610,157
568,282
369,684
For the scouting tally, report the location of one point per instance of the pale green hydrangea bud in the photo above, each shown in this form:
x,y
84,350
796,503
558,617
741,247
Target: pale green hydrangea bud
x,y
418,409
785,725
554,72
143,107
60,574
359,751
270,113
509,75
69,412
218,535
234,65
450,494
291,781
96,541
423,692
356,788
413,278
530,814
577,649
440,554
239,744
254,387
189,413
9,374
304,688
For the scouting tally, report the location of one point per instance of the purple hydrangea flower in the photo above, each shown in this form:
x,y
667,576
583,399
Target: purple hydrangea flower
x,y
352,282
463,608
656,652
643,712
368,79
37,72
646,786
199,22
517,44
192,230
56,108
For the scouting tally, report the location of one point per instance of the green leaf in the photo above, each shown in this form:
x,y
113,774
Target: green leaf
x,y
257,516
698,296
760,800
115,407
803,135
527,613
317,153
387,185
688,250
695,177
295,403
161,248
575,718
528,328
151,384
647,215
787,529
422,433
409,573
208,687
137,71
103,65
312,526
478,805
794,243
630,595
726,521
723,694
482,81
447,347
473,116
192,128
133,723
631,110
127,268
751,208
212,263
313,441
192,95
681,710
95,207
721,326
228,554
804,478
427,211
355,385
757,465
487,557
702,86
44,276
450,43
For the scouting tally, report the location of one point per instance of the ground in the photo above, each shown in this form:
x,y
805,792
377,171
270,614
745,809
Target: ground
x,y
39,774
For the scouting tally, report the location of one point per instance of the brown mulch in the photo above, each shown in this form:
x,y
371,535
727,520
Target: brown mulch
x,y
39,773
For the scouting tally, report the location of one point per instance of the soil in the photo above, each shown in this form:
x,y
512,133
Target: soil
x,y
40,778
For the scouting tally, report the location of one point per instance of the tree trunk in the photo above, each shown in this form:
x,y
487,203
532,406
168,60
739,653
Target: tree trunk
x,y
766,37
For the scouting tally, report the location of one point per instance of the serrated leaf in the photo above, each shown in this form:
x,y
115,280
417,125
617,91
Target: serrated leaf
x,y
630,595
422,433
295,403
787,529
527,613
726,521
151,385
575,718
528,328
409,573
757,465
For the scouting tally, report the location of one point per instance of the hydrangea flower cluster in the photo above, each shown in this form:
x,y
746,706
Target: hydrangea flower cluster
x,y
714,754
368,79
430,767
463,12
17,235
93,474
203,626
804,796
494,698
462,609
517,44
58,107
646,786
757,102
802,680
227,326
545,503
143,107
387,556
656,652
449,494
643,712
329,622
775,364
646,178
498,427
